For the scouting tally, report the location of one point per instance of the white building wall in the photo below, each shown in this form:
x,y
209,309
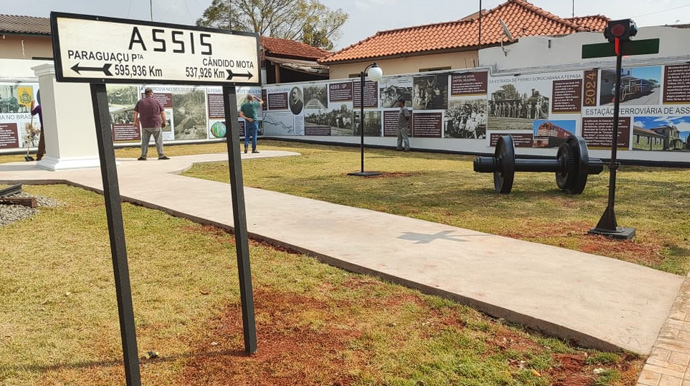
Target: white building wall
x,y
547,54
19,70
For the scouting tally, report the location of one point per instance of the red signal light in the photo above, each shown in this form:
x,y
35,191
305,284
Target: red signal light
x,y
618,30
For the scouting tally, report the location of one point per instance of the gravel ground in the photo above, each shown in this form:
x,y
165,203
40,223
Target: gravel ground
x,y
13,213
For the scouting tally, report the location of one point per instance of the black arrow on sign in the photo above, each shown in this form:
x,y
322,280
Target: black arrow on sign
x,y
105,69
231,74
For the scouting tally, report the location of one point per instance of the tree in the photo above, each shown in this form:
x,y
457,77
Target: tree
x,y
510,92
316,37
307,21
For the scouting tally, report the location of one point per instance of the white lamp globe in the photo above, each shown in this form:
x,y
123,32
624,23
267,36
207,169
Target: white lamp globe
x,y
375,73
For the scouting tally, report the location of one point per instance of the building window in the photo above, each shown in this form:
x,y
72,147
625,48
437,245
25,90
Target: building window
x,y
434,69
354,76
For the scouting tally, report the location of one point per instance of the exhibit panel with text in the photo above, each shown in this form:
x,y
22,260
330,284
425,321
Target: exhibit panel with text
x,y
539,110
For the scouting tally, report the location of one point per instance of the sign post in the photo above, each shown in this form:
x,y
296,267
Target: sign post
x,y
240,219
116,231
99,50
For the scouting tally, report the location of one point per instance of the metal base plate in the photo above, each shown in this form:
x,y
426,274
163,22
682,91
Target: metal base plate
x,y
620,233
364,174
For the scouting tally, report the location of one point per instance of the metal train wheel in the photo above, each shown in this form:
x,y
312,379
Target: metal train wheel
x,y
505,156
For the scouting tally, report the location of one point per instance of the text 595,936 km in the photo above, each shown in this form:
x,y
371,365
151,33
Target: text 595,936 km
x,y
204,73
136,70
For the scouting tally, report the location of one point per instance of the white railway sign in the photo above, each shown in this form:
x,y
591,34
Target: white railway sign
x,y
98,49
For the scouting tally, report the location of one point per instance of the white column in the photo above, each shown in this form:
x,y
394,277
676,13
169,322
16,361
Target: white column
x,y
70,129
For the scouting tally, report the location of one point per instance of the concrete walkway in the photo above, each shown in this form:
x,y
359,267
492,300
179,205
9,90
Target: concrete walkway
x,y
596,301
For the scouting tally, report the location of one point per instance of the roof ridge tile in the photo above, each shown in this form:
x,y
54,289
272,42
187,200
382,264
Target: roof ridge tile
x,y
526,18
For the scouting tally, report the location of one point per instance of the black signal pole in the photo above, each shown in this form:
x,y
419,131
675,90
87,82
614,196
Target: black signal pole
x,y
619,31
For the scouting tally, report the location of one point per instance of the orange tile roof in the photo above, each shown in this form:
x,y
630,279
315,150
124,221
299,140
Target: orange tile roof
x,y
24,25
596,23
290,48
521,17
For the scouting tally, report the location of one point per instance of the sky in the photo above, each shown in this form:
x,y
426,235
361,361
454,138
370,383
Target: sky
x,y
366,16
681,123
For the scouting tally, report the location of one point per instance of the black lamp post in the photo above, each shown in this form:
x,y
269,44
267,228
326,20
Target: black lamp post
x,y
375,73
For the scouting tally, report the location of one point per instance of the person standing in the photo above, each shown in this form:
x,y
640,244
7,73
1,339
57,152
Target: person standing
x,y
151,114
403,126
42,141
248,111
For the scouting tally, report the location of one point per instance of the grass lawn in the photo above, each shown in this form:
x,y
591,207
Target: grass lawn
x,y
317,325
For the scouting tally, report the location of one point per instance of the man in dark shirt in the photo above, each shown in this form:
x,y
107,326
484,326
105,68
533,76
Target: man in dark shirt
x,y
151,114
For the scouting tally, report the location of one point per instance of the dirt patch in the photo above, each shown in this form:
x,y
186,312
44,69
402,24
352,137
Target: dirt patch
x,y
573,370
509,340
570,371
639,253
565,233
298,350
533,229
292,351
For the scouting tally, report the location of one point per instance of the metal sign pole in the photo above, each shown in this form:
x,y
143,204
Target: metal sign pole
x,y
116,230
239,213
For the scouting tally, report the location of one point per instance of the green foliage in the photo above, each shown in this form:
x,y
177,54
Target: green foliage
x,y
308,21
602,358
556,345
542,361
316,37
607,377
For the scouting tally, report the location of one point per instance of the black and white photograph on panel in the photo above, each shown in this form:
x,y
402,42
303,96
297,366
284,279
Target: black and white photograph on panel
x,y
337,121
515,102
189,112
372,123
316,97
430,92
393,88
296,100
121,102
466,118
